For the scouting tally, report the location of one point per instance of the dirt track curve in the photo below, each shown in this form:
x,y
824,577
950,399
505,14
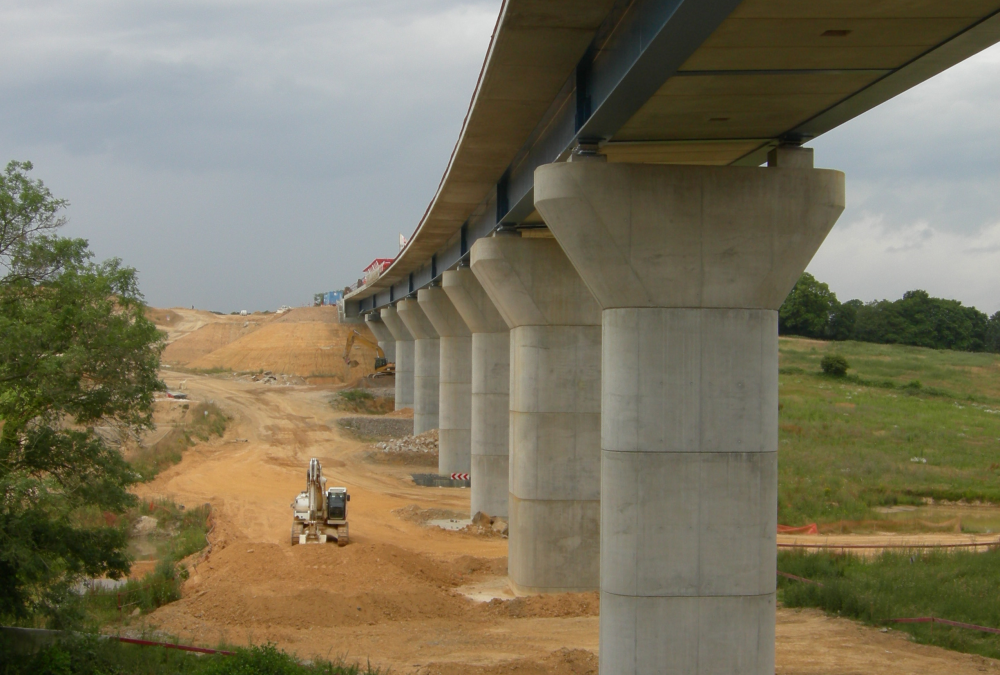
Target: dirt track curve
x,y
394,596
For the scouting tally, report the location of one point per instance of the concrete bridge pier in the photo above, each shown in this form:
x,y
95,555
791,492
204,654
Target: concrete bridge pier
x,y
690,265
382,335
455,399
426,365
555,412
490,391
403,346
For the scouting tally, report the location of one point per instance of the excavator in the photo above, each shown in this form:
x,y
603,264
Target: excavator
x,y
382,365
319,514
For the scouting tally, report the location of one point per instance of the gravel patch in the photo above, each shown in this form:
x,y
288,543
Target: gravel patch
x,y
378,427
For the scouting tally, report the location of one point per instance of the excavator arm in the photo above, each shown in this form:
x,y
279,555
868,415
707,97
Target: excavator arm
x,y
355,336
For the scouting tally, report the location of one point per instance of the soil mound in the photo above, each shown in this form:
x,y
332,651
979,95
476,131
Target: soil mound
x,y
324,314
269,584
161,317
549,606
305,348
562,662
205,340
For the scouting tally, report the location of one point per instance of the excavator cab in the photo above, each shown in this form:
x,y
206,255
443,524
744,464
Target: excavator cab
x,y
336,504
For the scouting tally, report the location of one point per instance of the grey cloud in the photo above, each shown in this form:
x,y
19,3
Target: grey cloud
x,y
931,154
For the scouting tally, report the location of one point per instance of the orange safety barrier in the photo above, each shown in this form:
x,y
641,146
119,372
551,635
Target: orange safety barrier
x,y
804,529
914,546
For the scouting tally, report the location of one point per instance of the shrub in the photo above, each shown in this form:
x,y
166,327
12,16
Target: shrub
x,y
834,364
361,401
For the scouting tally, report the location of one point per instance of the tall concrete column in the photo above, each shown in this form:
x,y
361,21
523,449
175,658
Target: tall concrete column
x,y
555,412
382,335
426,365
404,357
490,391
690,265
455,398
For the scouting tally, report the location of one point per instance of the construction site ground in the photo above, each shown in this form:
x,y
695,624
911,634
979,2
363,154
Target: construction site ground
x,y
398,595
404,595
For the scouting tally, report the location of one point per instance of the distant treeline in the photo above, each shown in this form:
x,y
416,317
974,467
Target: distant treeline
x,y
812,310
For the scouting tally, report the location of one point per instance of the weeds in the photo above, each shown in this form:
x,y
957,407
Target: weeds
x,y
361,401
202,421
91,655
179,533
960,586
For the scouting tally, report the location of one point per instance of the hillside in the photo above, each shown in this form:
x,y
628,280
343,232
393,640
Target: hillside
x,y
908,425
306,342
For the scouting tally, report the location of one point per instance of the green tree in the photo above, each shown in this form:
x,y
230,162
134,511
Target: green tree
x,y
76,354
807,309
921,320
992,334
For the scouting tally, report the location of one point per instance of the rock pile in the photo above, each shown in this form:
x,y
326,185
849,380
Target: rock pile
x,y
484,523
422,444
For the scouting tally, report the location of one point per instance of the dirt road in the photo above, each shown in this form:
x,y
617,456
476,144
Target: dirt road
x,y
397,595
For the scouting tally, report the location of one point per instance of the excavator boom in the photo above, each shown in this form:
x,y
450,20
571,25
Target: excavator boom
x,y
382,364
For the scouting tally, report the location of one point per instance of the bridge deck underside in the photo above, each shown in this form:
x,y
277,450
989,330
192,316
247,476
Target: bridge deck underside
x,y
771,69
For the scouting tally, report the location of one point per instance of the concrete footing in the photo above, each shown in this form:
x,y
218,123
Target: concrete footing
x,y
455,402
490,391
555,412
382,335
403,346
426,365
690,265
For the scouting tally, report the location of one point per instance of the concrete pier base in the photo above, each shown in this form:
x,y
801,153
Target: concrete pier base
x,y
455,403
382,335
490,391
555,413
426,365
403,345
690,265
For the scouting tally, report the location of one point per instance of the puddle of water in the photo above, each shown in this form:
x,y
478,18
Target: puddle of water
x,y
452,524
491,589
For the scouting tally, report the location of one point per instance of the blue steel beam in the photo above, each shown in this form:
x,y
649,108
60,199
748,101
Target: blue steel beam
x,y
638,47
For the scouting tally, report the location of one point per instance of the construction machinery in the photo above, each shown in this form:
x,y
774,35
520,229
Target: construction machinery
x,y
319,514
382,364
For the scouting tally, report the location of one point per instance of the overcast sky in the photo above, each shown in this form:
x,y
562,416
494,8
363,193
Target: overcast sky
x,y
249,153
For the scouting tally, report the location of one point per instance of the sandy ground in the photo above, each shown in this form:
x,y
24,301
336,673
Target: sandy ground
x,y
399,593
305,341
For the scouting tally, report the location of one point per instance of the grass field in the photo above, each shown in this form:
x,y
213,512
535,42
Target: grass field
x,y
906,425
959,586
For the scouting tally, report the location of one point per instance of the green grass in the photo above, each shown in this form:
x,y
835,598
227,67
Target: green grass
x,y
179,533
89,655
361,401
846,444
960,586
201,422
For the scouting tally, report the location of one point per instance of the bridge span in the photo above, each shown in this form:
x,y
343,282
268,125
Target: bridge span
x,y
588,308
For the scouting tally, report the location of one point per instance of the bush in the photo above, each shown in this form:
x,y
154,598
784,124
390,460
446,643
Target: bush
x,y
361,401
90,655
835,365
